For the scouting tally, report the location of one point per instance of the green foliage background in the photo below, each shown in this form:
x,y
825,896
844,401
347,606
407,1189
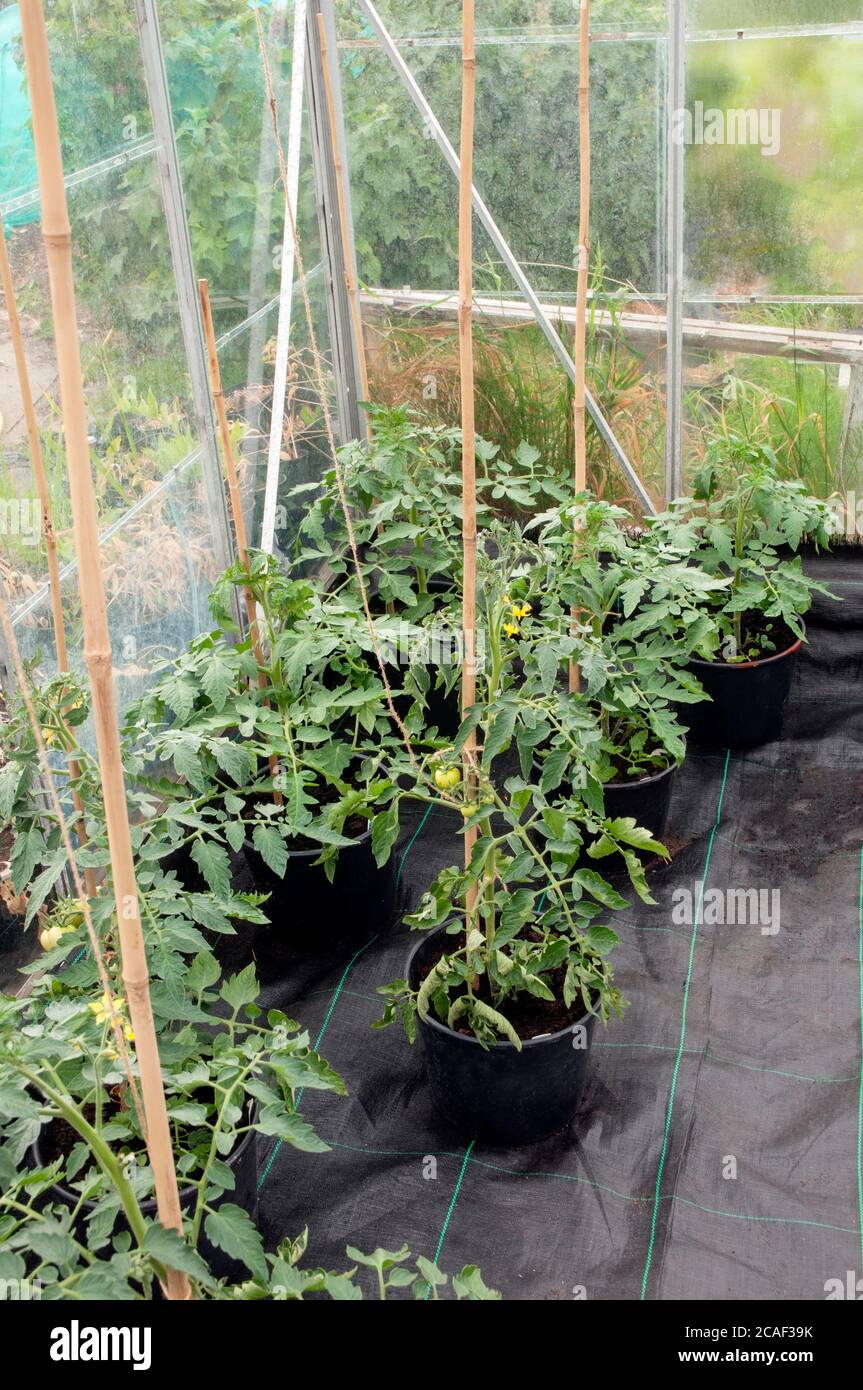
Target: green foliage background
x,y
791,221
789,225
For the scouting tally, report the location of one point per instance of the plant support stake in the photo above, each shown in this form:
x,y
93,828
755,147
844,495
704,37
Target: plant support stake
x,y
434,128
468,423
676,153
97,647
240,538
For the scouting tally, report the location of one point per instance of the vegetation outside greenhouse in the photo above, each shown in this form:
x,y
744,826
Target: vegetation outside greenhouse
x,y
430,634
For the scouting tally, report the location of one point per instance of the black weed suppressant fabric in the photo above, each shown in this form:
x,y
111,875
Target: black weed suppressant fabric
x,y
717,1150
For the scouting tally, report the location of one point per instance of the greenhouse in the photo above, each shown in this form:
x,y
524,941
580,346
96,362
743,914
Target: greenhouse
x,y
431,626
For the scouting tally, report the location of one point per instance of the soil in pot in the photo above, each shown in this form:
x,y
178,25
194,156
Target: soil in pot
x,y
58,1140
501,1095
747,698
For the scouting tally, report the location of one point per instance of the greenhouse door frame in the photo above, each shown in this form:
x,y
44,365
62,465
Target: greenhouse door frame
x,y
675,154
435,129
179,240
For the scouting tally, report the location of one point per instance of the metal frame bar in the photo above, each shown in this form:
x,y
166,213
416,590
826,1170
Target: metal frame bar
x,y
546,36
286,286
812,347
675,154
168,165
432,124
660,79
351,424
328,10
136,149
266,184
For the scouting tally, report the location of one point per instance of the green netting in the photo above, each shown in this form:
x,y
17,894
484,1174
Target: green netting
x,y
17,157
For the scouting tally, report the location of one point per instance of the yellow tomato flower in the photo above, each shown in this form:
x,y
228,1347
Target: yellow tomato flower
x,y
130,1033
511,629
49,735
521,610
102,1010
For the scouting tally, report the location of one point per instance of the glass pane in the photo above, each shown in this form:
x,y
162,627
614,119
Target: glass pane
x,y
153,611
802,409
526,157
774,250
766,14
135,375
773,185
227,148
99,89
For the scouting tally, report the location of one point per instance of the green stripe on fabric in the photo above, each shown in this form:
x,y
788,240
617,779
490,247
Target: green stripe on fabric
x,y
450,1209
411,842
603,1187
323,1028
732,1062
682,1042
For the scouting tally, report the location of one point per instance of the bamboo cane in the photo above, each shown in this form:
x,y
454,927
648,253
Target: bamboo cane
x,y
234,493
344,227
580,347
97,647
45,504
468,423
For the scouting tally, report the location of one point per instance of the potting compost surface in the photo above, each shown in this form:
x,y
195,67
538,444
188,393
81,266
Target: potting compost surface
x,y
716,1153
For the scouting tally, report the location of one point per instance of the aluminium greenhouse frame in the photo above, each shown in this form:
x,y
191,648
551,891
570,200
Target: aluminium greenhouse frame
x,y
309,83
162,145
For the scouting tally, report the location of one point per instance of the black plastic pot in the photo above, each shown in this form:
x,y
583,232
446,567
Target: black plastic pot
x,y
244,1164
747,700
646,799
500,1095
308,912
443,709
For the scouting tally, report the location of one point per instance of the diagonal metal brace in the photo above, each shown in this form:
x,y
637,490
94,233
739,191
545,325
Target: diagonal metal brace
x,y
433,125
